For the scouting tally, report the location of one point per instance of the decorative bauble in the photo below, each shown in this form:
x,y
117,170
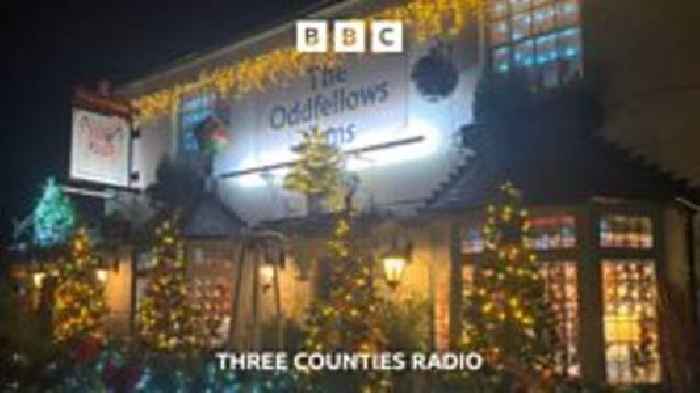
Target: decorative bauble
x,y
435,75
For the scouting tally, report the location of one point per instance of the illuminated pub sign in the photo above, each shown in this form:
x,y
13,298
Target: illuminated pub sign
x,y
399,144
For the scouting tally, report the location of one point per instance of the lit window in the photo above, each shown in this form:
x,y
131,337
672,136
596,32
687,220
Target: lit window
x,y
520,5
499,32
521,26
543,19
525,53
501,59
630,321
543,35
498,9
552,232
561,291
569,43
473,242
193,112
618,231
561,285
567,13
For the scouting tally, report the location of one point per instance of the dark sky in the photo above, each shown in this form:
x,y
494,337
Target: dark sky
x,y
51,48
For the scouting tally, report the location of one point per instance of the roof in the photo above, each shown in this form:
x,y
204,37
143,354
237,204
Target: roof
x,y
196,60
550,150
210,218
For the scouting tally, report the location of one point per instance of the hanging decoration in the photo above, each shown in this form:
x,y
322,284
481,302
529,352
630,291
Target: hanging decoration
x,y
317,172
54,216
168,319
79,305
507,317
212,136
423,19
435,75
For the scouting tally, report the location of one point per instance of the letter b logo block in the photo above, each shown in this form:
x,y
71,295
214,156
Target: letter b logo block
x,y
349,36
312,36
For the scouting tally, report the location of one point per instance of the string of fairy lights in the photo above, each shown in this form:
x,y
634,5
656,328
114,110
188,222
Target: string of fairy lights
x,y
423,19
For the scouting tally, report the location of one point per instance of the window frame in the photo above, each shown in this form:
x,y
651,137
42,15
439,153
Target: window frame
x,y
538,71
655,253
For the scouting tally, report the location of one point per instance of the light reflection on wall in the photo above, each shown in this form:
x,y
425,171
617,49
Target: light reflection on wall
x,y
355,162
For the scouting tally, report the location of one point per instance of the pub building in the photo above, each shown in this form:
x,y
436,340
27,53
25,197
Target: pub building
x,y
598,140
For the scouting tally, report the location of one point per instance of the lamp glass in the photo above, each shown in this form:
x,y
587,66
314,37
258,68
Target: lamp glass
x,y
39,279
102,275
267,274
394,266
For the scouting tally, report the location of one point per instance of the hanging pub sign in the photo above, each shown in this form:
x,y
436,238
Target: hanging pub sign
x,y
101,139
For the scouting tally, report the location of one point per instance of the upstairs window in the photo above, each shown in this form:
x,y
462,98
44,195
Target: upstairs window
x,y
542,37
194,110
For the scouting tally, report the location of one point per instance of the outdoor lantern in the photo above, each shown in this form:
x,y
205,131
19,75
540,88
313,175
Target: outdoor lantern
x,y
267,275
39,279
394,265
102,275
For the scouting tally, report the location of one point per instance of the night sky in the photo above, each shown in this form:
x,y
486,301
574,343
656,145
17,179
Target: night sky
x,y
51,49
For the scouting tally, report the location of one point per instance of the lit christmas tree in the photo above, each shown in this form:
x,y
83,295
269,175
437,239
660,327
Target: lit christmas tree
x,y
79,307
168,320
350,319
54,216
317,171
507,318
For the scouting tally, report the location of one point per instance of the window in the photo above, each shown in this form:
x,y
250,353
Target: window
x,y
630,321
473,242
552,232
194,111
618,231
561,290
540,36
561,283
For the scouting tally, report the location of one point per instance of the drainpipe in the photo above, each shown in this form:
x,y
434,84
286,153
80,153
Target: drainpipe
x,y
690,234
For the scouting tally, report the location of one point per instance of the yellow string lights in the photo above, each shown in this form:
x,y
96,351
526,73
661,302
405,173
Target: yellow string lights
x,y
423,19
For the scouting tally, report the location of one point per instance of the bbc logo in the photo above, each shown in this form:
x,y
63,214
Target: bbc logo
x,y
349,36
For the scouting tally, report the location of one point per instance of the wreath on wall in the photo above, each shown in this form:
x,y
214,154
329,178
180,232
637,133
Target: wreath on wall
x,y
434,74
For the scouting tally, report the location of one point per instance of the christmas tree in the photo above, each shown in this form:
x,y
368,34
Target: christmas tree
x,y
350,319
79,307
317,172
54,216
168,320
507,318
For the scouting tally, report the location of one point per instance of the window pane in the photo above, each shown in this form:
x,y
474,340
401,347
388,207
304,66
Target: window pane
x,y
521,26
561,283
499,32
194,111
630,321
543,19
567,13
501,59
473,242
519,5
524,54
619,231
498,9
551,232
569,43
537,3
560,280
546,49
